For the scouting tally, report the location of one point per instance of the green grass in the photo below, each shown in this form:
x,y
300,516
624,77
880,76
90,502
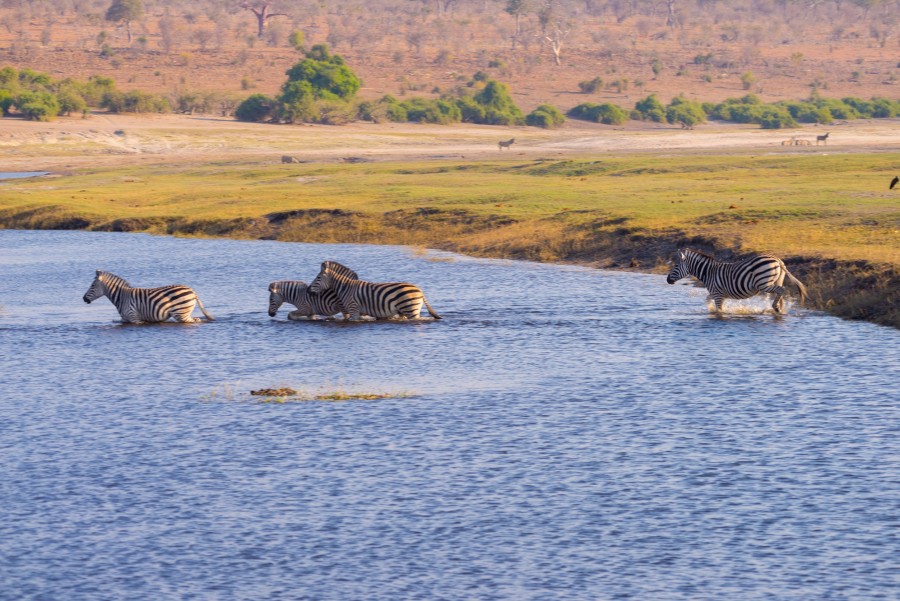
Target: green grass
x,y
835,206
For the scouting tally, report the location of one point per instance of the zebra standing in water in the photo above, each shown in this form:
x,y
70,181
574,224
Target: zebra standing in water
x,y
741,279
357,297
138,305
297,293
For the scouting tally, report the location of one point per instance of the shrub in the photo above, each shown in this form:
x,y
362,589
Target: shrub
x,y
499,108
590,86
686,112
771,117
424,110
37,106
257,107
328,76
70,101
135,101
546,116
6,102
606,113
650,108
387,108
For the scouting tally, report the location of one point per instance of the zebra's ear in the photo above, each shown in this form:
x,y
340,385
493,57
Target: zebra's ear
x,y
99,272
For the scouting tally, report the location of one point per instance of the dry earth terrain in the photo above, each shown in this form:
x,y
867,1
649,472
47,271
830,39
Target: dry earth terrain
x,y
126,139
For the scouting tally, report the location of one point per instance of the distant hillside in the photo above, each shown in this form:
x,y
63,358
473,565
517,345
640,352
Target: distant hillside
x,y
703,49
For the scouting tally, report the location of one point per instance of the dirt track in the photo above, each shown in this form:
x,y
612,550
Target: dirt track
x,y
125,139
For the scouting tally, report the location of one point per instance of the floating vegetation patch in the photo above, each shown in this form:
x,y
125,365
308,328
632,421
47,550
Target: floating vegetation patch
x,y
287,395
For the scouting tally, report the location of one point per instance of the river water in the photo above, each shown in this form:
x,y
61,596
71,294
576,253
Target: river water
x,y
563,433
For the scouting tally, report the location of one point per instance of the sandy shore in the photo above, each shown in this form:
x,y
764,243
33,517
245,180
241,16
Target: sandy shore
x,y
127,140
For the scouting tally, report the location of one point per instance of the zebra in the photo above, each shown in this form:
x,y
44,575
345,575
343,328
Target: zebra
x,y
740,279
357,297
297,293
138,305
505,144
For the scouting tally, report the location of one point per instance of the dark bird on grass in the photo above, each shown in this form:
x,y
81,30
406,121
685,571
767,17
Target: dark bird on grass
x,y
894,181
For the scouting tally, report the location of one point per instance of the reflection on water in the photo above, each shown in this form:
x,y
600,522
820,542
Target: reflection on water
x,y
563,433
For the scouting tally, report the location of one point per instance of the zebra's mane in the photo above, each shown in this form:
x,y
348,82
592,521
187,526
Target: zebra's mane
x,y
111,279
702,253
336,268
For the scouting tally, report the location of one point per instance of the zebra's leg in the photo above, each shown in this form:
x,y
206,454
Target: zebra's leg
x,y
717,300
778,302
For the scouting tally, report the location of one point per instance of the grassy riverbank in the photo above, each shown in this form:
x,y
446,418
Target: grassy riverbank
x,y
831,216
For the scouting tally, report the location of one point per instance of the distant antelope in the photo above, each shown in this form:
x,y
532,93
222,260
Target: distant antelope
x,y
506,144
822,138
791,142
803,143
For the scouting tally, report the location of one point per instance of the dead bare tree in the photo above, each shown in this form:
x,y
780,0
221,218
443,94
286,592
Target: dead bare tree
x,y
260,8
556,36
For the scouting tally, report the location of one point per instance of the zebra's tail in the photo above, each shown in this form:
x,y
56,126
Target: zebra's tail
x,y
430,310
203,310
799,285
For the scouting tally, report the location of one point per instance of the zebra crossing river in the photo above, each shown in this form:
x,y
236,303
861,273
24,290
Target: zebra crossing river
x,y
563,433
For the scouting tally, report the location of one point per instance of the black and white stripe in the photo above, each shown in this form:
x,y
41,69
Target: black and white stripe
x,y
357,297
137,305
296,292
740,279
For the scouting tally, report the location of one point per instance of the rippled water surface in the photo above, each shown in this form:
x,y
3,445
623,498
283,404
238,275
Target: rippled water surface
x,y
563,433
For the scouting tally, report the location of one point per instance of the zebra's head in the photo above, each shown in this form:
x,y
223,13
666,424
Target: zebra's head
x,y
327,274
97,289
105,284
276,297
679,270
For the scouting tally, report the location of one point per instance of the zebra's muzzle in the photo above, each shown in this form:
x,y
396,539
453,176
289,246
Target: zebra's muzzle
x,y
86,299
670,280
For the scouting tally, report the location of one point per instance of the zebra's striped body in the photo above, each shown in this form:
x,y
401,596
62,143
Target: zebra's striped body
x,y
357,297
138,305
308,305
741,279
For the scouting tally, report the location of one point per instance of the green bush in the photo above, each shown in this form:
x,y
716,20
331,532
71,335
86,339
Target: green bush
x,y
257,107
546,116
135,101
650,109
70,101
37,106
771,117
686,112
605,113
499,108
328,75
7,101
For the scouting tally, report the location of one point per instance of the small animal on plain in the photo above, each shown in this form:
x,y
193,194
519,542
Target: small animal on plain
x,y
894,182
740,279
803,143
139,305
823,138
505,144
288,159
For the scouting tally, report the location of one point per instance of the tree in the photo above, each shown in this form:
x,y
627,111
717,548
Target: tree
x,y
260,8
127,11
516,8
327,74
